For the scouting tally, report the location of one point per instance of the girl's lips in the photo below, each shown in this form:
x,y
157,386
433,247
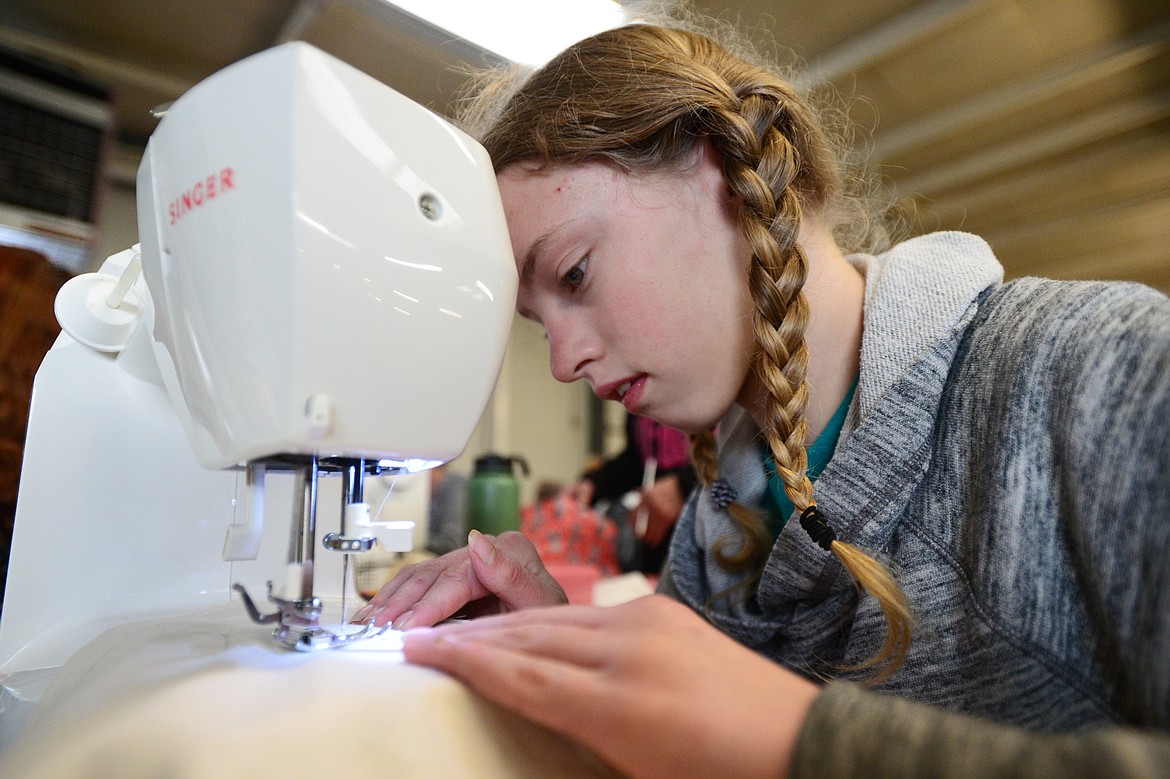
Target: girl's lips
x,y
625,391
633,396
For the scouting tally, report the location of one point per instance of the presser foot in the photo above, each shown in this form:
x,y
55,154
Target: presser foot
x,y
298,626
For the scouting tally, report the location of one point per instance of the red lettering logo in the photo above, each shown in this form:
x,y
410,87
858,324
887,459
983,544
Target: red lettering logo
x,y
200,193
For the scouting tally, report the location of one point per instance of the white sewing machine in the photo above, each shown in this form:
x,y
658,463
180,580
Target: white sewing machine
x,y
326,289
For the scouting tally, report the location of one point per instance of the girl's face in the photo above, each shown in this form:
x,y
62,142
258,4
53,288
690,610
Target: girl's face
x,y
640,283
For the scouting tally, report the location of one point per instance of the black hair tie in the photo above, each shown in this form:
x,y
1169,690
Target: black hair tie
x,y
816,525
722,494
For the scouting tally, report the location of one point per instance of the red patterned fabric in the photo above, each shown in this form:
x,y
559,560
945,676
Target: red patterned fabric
x,y
564,531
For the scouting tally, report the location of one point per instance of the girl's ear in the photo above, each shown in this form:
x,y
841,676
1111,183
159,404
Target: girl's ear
x,y
710,158
710,166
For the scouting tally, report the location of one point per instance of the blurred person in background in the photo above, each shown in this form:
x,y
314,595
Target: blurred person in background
x,y
606,486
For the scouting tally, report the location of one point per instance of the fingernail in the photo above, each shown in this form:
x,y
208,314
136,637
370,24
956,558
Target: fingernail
x,y
363,616
480,546
403,620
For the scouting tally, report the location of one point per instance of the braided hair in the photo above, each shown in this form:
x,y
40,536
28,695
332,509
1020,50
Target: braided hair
x,y
644,98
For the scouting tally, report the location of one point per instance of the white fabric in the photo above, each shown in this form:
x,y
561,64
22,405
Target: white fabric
x,y
214,696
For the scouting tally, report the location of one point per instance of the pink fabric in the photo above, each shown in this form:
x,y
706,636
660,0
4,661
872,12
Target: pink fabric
x,y
671,447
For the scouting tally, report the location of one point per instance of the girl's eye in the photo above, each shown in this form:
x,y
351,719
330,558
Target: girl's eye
x,y
575,276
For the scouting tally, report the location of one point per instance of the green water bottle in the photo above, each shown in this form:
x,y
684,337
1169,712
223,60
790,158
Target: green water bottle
x,y
493,494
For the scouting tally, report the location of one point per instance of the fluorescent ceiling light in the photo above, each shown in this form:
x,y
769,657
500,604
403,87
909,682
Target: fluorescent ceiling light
x,y
525,31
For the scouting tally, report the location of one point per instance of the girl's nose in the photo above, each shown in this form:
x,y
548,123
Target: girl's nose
x,y
571,349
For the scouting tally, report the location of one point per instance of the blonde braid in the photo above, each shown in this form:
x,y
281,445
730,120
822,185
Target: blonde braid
x,y
777,274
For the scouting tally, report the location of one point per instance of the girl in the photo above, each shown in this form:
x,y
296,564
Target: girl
x,y
680,226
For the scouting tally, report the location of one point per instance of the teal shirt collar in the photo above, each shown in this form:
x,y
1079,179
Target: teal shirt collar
x,y
775,502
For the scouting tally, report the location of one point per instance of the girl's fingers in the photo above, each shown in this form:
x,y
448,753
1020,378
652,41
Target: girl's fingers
x,y
559,695
397,594
424,591
577,644
453,588
495,572
512,578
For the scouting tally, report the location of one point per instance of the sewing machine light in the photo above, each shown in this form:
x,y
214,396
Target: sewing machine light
x,y
416,465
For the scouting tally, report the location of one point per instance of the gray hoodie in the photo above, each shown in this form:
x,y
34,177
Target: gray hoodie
x,y
1008,455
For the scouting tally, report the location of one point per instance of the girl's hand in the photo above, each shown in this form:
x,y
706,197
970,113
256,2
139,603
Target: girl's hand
x,y
490,575
649,686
